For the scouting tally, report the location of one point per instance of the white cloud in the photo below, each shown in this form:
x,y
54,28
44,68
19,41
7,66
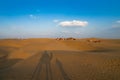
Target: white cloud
x,y
74,23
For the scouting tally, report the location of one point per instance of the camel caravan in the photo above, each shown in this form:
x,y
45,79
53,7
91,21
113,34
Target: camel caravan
x,y
94,40
66,38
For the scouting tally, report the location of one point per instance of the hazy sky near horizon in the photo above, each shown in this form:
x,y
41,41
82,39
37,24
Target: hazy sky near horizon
x,y
59,18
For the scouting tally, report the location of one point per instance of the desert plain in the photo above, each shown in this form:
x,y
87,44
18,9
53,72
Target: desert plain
x,y
51,59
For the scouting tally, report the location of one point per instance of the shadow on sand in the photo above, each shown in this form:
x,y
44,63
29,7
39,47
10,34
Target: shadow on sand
x,y
103,50
6,66
4,61
8,63
44,60
60,66
45,63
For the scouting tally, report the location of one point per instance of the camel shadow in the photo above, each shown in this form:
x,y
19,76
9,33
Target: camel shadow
x,y
60,66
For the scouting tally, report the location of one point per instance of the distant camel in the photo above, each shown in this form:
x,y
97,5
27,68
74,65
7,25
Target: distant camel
x,y
66,38
60,39
70,38
94,41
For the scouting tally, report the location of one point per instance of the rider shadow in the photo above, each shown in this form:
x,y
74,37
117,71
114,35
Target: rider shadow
x,y
60,66
44,60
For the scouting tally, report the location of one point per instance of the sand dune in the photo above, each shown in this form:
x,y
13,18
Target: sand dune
x,y
50,59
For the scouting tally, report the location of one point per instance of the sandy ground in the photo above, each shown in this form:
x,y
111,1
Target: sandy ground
x,y
49,59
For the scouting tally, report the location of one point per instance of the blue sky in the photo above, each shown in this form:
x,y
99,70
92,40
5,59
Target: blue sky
x,y
59,18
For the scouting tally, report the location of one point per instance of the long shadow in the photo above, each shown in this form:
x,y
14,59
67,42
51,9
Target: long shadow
x,y
6,49
3,51
60,66
44,60
4,61
6,66
8,63
103,50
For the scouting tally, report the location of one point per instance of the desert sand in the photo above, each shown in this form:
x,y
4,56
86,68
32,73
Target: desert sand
x,y
50,59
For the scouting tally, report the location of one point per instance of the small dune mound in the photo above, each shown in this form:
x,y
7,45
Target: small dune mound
x,y
78,45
